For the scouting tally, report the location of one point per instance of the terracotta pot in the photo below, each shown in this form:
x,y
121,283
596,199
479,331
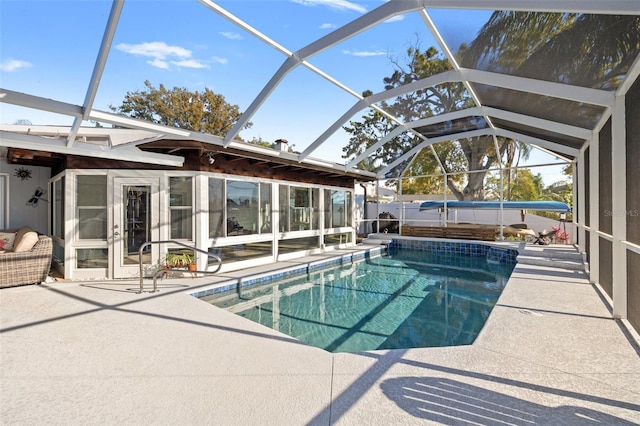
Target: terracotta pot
x,y
191,267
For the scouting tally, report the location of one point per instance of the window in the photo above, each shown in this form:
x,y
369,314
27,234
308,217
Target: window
x,y
57,209
240,252
91,202
248,208
216,208
92,258
283,203
302,214
334,239
297,244
243,208
337,208
181,207
4,205
315,208
265,208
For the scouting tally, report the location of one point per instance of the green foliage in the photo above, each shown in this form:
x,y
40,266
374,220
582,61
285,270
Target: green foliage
x,y
173,259
188,258
205,111
266,144
584,50
456,157
178,259
580,49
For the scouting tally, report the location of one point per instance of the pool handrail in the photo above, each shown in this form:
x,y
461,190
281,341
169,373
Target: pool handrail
x,y
155,275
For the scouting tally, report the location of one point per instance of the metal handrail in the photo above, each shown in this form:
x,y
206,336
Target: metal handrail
x,y
155,276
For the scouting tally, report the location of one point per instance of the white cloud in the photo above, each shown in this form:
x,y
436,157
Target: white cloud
x,y
230,35
327,26
14,64
159,63
333,4
189,63
219,60
364,53
163,54
155,49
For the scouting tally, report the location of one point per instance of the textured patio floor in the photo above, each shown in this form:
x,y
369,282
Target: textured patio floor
x,y
98,353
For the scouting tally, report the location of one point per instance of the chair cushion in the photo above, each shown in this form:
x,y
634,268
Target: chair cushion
x,y
7,240
26,238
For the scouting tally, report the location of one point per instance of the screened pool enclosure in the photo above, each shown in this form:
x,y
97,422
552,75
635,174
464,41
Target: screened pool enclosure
x,y
459,92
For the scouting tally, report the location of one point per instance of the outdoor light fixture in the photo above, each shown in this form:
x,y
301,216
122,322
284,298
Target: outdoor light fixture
x,y
211,159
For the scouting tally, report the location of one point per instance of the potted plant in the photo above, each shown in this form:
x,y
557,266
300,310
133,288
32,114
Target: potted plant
x,y
164,265
188,260
173,259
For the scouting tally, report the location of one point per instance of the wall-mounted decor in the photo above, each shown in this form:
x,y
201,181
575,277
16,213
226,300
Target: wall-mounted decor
x,y
23,173
37,196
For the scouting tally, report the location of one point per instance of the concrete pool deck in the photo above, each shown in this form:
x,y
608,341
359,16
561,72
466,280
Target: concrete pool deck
x,y
98,353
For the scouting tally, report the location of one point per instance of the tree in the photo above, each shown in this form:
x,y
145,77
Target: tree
x,y
205,111
583,50
474,155
580,49
525,186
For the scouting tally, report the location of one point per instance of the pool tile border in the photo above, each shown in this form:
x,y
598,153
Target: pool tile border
x,y
299,270
491,252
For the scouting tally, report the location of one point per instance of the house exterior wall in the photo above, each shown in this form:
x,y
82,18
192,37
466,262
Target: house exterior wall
x,y
16,211
276,244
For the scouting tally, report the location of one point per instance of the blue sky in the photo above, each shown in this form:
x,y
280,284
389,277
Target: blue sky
x,y
48,49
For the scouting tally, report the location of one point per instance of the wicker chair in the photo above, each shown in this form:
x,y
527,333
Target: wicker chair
x,y
28,267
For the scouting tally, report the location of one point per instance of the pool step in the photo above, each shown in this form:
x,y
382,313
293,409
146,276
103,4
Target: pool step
x,y
565,257
377,239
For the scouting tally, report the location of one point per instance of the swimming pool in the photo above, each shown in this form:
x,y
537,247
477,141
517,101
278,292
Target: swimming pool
x,y
401,299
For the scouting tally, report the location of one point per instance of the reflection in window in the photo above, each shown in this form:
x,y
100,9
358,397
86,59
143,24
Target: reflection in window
x,y
181,207
283,203
238,252
304,206
349,208
243,208
58,255
315,208
4,197
265,208
91,202
337,208
300,208
297,244
335,239
216,208
92,258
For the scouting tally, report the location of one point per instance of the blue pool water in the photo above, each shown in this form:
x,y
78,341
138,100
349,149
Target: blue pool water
x,y
405,299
